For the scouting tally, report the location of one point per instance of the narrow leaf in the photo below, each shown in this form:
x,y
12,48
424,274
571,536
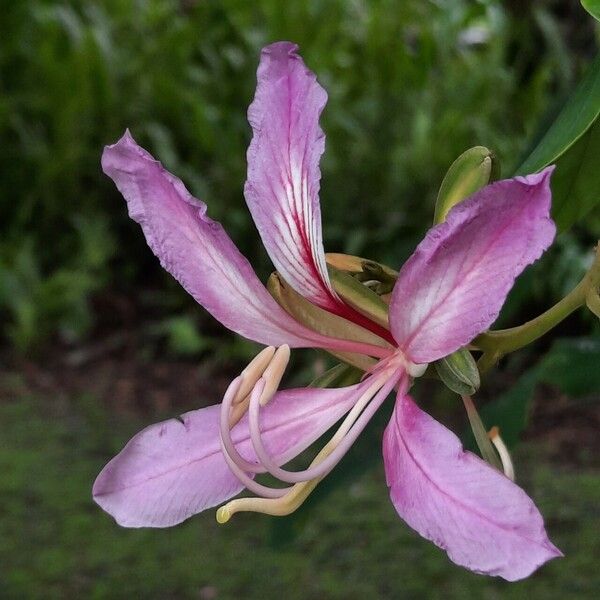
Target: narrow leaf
x,y
576,182
593,7
577,115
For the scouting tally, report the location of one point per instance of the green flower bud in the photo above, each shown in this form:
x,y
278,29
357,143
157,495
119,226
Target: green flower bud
x,y
459,372
471,171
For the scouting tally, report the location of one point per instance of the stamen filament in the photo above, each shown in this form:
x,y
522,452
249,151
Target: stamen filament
x,y
253,486
285,505
298,493
237,463
507,463
252,373
225,430
351,428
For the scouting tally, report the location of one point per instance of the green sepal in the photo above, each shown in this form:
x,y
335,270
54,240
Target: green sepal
x,y
323,321
459,372
365,270
359,297
471,171
341,375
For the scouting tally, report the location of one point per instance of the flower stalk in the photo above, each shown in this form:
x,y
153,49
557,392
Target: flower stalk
x,y
496,344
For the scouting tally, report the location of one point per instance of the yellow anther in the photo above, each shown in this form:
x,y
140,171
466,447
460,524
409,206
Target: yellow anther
x,y
507,463
269,364
223,515
253,372
274,372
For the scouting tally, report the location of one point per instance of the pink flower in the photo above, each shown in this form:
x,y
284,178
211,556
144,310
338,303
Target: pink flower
x,y
449,291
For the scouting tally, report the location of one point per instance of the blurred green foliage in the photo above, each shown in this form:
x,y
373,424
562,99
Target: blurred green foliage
x,y
411,85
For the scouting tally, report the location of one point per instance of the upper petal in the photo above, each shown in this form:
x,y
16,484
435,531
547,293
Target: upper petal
x,y
453,286
282,189
175,469
196,250
451,497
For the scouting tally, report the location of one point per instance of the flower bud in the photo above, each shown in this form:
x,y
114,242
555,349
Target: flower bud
x,y
459,372
471,171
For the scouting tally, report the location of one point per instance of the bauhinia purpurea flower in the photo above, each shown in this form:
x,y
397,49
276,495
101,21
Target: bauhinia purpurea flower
x,y
450,290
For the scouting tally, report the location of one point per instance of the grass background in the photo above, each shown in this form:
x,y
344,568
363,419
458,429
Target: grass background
x,y
57,544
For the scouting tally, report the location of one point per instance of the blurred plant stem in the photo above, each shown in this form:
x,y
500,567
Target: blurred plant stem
x,y
495,344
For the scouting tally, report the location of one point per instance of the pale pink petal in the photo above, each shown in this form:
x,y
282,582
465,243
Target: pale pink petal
x,y
197,251
451,497
282,190
453,286
175,469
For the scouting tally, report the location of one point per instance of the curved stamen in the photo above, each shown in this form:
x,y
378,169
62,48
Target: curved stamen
x,y
298,493
251,374
507,463
225,429
351,428
237,463
253,486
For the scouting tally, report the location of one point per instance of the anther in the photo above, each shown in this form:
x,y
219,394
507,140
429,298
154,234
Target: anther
x,y
507,463
253,372
274,372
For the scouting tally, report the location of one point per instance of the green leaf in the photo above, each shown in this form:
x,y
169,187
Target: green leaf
x,y
576,182
593,7
577,115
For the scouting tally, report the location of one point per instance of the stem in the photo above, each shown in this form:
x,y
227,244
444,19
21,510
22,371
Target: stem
x,y
496,344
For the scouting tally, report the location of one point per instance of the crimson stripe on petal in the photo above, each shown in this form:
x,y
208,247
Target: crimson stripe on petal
x,y
282,189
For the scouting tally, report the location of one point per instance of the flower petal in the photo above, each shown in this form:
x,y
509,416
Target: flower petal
x,y
283,170
197,251
175,469
451,497
453,287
